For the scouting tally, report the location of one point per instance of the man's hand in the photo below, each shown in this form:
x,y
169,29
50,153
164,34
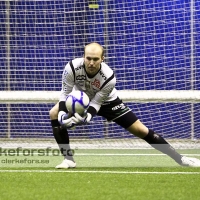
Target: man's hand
x,y
67,121
62,116
83,120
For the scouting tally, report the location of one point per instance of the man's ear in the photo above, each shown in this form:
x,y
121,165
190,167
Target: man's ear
x,y
102,58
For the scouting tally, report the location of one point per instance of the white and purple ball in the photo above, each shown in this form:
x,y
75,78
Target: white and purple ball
x,y
77,102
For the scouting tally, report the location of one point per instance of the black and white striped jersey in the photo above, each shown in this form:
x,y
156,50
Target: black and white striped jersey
x,y
100,88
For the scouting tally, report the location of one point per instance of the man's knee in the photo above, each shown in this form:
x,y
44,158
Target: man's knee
x,y
138,129
53,113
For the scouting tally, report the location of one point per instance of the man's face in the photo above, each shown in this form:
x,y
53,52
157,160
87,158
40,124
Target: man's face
x,y
92,59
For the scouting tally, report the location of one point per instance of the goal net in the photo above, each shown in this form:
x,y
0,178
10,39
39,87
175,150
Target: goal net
x,y
153,47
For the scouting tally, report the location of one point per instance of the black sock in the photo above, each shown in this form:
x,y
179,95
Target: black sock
x,y
159,143
62,138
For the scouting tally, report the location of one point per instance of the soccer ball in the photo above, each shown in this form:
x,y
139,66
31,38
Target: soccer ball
x,y
77,102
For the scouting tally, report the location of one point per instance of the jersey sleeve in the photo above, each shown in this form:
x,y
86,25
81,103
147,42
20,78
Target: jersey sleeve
x,y
67,82
103,94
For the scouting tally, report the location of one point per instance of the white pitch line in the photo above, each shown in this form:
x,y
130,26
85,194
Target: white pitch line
x,y
99,172
106,154
127,154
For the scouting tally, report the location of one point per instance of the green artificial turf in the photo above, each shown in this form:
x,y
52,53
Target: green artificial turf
x,y
101,175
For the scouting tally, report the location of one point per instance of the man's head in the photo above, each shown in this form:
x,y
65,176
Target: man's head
x,y
93,56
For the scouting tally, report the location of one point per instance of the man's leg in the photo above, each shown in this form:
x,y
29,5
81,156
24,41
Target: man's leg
x,y
62,138
140,130
130,122
159,143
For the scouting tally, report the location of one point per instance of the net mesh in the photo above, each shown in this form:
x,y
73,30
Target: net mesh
x,y
151,45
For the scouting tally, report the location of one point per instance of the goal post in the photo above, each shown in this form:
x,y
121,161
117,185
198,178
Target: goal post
x,y
146,96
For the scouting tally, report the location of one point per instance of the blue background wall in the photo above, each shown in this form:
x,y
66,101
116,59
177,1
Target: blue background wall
x,y
147,43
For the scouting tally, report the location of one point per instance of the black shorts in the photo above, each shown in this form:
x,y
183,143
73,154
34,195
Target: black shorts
x,y
118,112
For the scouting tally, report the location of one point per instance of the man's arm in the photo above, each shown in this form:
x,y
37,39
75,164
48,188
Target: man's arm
x,y
67,82
67,86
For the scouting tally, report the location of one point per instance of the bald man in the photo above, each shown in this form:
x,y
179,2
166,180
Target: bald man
x,y
93,76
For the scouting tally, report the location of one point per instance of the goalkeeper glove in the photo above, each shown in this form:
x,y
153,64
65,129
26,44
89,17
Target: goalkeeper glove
x,y
83,120
67,121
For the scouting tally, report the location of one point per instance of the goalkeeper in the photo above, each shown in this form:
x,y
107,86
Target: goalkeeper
x,y
93,76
